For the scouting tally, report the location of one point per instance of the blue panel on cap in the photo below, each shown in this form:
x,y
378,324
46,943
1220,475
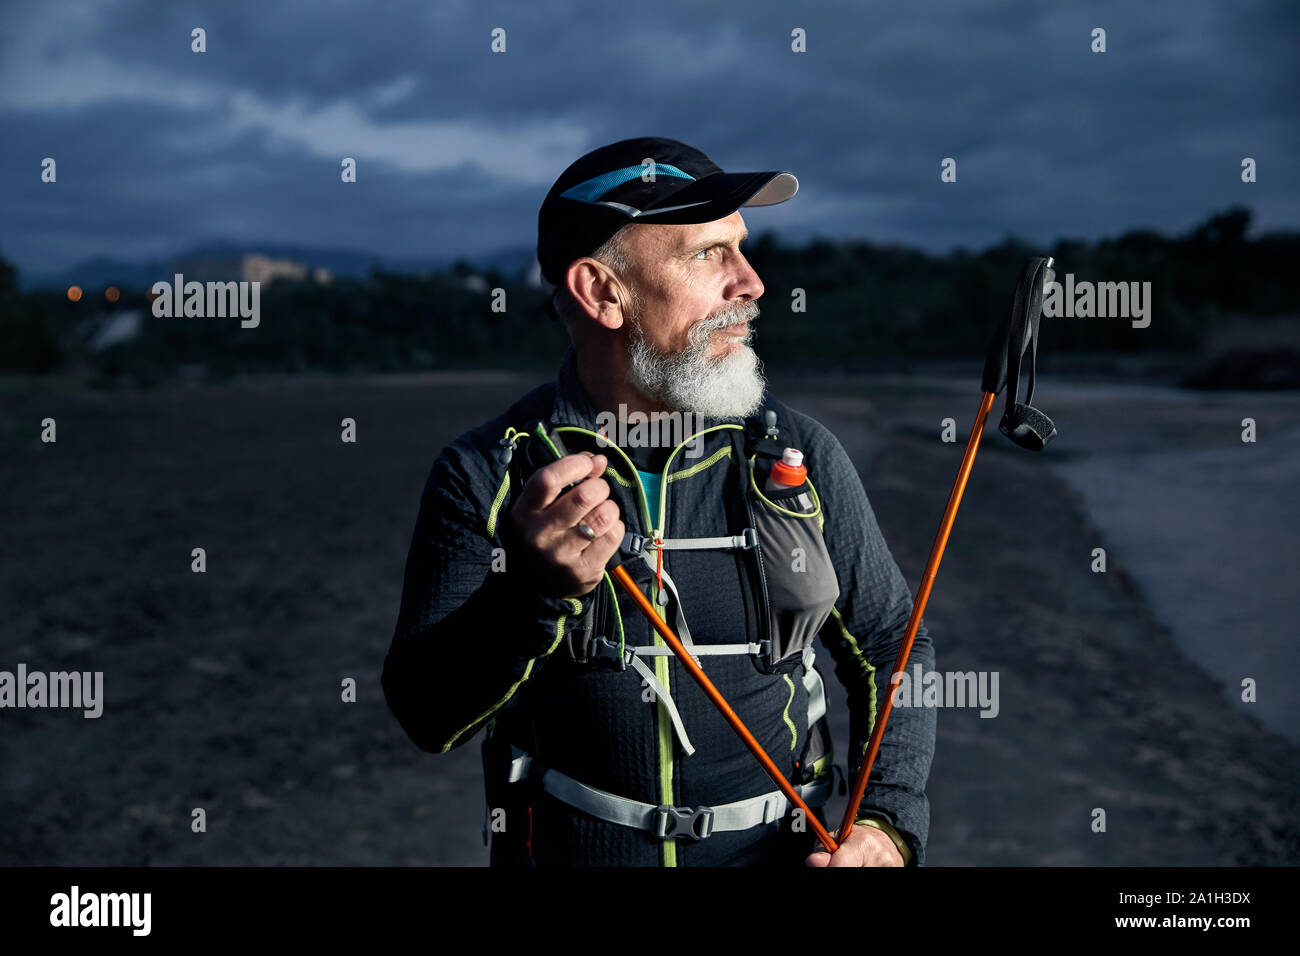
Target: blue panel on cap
x,y
594,189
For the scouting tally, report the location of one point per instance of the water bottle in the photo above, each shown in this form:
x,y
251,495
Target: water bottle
x,y
790,472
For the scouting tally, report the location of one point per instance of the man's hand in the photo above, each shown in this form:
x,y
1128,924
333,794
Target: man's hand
x,y
866,846
546,519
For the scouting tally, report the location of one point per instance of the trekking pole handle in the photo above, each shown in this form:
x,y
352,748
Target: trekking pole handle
x,y
1013,335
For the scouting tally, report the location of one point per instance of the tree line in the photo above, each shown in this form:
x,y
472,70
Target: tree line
x,y
862,302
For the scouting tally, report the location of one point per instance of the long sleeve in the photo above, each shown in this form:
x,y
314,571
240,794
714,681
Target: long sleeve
x,y
467,636
903,848
863,636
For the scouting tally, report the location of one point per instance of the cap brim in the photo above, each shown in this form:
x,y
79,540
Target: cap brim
x,y
717,196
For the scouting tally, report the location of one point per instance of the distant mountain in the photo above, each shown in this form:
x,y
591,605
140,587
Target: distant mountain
x,y
102,271
97,273
511,261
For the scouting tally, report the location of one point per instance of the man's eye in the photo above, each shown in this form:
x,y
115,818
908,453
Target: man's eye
x,y
704,253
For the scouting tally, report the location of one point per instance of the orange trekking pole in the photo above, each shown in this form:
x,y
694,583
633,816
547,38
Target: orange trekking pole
x,y
1022,423
666,632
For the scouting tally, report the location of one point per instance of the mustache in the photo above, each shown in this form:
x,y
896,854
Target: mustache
x,y
735,315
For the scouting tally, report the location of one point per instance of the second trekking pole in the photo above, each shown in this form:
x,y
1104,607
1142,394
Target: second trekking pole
x,y
1022,423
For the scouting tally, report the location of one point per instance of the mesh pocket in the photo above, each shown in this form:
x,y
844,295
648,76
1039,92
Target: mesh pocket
x,y
801,582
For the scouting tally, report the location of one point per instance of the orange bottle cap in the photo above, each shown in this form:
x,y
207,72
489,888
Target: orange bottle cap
x,y
789,475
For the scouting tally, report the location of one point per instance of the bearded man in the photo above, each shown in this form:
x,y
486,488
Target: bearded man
x,y
598,748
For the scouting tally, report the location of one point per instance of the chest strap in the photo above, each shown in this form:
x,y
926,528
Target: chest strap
x,y
666,822
701,650
639,543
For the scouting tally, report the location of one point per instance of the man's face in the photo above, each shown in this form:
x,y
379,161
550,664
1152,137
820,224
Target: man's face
x,y
693,299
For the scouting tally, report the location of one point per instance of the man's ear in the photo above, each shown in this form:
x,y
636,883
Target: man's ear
x,y
597,292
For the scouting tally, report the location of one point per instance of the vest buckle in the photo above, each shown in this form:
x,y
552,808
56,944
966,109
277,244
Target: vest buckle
x,y
604,650
674,822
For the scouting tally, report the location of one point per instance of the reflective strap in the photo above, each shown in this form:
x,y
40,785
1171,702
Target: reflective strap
x,y
741,815
598,803
701,650
812,682
745,541
640,544
644,670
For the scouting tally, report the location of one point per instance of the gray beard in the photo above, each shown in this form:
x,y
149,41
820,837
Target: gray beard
x,y
689,381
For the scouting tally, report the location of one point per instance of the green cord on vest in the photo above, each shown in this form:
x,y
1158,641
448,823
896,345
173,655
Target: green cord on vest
x,y
816,513
618,615
510,438
663,481
645,508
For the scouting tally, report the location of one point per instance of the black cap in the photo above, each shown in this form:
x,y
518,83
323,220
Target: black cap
x,y
649,179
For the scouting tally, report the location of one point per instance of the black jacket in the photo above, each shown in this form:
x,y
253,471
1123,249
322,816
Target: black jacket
x,y
474,645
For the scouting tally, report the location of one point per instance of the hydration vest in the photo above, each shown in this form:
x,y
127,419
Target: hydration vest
x,y
792,575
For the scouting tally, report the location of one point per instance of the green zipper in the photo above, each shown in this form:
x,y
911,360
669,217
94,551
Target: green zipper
x,y
661,662
663,720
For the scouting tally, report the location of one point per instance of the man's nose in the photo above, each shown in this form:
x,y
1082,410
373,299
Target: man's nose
x,y
747,282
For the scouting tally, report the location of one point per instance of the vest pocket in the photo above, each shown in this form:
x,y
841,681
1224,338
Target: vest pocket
x,y
818,753
802,586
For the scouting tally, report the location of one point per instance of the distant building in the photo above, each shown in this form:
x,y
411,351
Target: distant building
x,y
248,267
263,269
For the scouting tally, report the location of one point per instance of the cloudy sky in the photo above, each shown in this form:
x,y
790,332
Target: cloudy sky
x,y
159,148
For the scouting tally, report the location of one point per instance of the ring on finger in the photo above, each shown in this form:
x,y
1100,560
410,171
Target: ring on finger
x,y
586,531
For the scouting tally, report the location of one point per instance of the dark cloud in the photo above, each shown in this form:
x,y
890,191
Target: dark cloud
x,y
160,148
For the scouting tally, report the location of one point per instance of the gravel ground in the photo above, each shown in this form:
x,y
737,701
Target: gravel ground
x,y
222,690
